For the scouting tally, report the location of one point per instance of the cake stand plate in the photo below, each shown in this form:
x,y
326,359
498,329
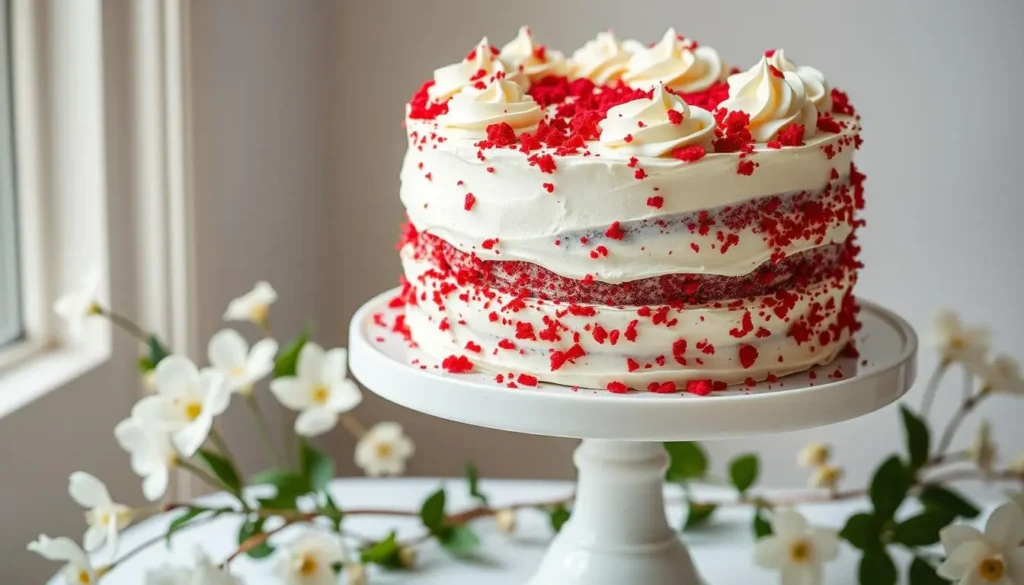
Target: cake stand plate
x,y
618,532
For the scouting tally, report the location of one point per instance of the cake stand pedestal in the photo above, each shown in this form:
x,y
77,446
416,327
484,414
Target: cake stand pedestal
x,y
618,532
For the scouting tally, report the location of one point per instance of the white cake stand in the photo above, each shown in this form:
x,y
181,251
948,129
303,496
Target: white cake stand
x,y
618,532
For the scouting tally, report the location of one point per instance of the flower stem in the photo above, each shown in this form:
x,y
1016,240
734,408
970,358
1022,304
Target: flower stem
x,y
965,409
126,324
352,425
263,429
932,387
201,474
222,445
148,543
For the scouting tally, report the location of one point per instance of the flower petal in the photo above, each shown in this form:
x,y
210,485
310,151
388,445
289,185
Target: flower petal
x,y
1015,559
770,553
261,360
262,294
94,538
955,535
58,549
218,395
345,396
1006,526
789,524
227,350
311,360
154,486
189,439
335,366
176,374
964,559
292,392
315,421
826,544
802,574
88,491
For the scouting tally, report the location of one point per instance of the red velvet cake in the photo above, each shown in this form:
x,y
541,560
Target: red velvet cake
x,y
635,217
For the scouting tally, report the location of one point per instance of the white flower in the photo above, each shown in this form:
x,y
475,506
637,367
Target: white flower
x,y
311,559
105,518
1002,375
383,450
229,354
983,450
826,477
1016,466
74,306
506,520
355,574
252,306
957,343
77,569
813,455
319,391
205,572
152,453
796,549
186,402
994,557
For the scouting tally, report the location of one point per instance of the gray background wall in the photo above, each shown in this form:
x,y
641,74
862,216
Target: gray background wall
x,y
298,108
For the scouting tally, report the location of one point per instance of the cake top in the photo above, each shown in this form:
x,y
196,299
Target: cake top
x,y
672,99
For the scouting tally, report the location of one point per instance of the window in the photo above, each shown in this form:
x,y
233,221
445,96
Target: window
x,y
11,326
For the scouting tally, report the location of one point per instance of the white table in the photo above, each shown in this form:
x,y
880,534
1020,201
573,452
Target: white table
x,y
722,550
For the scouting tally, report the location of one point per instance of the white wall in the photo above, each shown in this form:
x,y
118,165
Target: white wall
x,y
936,81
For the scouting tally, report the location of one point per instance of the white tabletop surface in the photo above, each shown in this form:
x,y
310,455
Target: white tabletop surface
x,y
722,550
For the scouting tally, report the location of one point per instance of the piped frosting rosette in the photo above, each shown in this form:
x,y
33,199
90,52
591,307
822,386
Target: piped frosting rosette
x,y
657,125
472,110
533,60
676,62
602,60
818,90
774,99
480,67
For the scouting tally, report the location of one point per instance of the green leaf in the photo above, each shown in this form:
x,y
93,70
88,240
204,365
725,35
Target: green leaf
x,y
922,573
698,514
460,540
288,358
183,520
222,469
333,512
889,488
687,461
761,526
940,498
384,553
876,567
923,529
157,351
558,516
432,512
146,364
290,485
743,471
250,528
918,441
317,468
862,531
473,479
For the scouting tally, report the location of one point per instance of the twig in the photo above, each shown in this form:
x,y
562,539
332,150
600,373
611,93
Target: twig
x,y
932,387
254,541
148,543
965,409
126,324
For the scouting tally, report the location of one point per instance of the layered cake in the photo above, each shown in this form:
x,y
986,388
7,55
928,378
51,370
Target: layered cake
x,y
634,217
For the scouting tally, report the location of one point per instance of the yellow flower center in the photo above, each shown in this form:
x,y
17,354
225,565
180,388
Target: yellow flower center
x,y
258,314
308,566
991,569
237,372
84,577
193,409
383,450
800,551
957,343
321,394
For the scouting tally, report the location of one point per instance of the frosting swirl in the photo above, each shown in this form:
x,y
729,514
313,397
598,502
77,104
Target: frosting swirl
x,y
602,60
481,66
676,62
534,61
472,110
645,127
818,90
773,98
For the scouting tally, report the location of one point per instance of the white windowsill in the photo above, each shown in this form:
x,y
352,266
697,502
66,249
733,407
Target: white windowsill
x,y
43,371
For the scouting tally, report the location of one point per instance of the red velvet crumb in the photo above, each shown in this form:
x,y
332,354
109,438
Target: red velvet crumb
x,y
457,364
617,387
470,200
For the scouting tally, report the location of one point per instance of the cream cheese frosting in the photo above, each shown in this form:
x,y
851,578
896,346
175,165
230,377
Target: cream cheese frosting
x,y
472,110
818,90
480,65
676,62
657,125
535,61
773,98
602,60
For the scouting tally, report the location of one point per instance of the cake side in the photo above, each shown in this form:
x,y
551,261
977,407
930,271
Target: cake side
x,y
633,217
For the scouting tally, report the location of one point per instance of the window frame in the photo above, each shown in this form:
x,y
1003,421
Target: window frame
x,y
11,327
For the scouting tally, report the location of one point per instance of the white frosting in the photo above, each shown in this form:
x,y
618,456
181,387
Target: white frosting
x,y
483,65
773,102
818,90
468,320
536,62
675,62
643,127
602,60
471,110
592,192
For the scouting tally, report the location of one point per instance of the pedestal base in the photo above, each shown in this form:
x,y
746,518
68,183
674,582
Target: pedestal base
x,y
618,532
